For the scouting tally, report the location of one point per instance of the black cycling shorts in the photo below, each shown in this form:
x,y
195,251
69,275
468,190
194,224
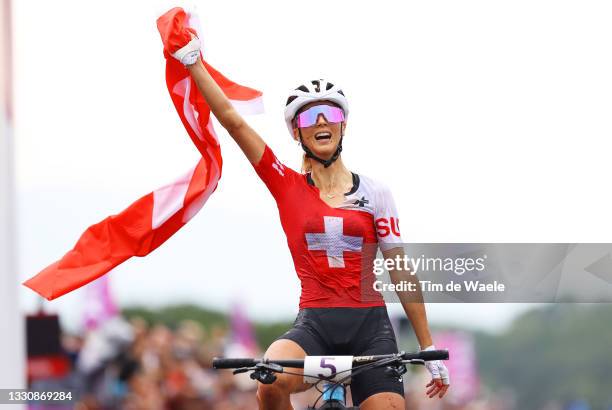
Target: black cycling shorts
x,y
354,332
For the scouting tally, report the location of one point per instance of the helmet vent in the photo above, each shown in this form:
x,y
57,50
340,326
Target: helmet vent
x,y
293,97
340,92
302,88
329,85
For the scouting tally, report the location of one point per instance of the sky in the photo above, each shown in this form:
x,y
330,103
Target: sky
x,y
490,122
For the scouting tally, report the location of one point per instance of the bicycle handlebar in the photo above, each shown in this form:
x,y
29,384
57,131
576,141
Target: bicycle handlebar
x,y
229,363
225,363
427,355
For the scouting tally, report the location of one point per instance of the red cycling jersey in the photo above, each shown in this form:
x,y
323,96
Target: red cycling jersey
x,y
327,243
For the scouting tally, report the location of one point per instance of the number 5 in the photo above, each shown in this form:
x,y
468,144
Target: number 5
x,y
329,366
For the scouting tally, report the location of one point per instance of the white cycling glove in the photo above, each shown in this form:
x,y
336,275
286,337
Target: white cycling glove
x,y
437,368
189,53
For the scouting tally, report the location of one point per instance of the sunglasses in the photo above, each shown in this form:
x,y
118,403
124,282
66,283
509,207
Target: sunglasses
x,y
309,117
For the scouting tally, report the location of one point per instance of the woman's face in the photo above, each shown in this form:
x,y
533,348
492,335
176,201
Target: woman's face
x,y
323,137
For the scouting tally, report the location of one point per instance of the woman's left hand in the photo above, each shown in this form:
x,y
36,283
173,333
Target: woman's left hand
x,y
440,381
436,387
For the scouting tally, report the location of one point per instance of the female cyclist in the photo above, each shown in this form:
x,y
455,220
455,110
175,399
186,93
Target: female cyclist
x,y
329,215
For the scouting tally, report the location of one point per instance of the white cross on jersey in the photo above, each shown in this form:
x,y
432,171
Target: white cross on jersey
x,y
333,241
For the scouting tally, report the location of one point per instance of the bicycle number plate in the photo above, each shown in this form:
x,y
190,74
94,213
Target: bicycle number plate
x,y
326,366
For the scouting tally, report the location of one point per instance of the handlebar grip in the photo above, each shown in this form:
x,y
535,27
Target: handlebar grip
x,y
427,355
223,363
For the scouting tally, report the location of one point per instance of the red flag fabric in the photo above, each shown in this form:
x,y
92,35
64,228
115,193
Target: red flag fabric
x,y
150,221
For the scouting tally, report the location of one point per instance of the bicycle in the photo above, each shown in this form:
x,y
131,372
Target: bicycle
x,y
340,369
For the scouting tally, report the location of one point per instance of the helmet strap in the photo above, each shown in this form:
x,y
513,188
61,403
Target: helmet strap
x,y
326,162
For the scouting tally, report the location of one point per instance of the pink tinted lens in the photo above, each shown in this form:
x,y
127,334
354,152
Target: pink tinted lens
x,y
309,117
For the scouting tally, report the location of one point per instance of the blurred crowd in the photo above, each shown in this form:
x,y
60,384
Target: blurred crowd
x,y
131,365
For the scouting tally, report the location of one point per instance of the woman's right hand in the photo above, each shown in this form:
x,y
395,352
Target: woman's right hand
x,y
182,44
189,53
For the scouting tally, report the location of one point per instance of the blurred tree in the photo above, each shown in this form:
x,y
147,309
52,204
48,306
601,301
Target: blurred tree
x,y
171,316
561,352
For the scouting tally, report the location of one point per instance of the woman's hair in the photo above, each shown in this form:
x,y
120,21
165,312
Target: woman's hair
x,y
306,165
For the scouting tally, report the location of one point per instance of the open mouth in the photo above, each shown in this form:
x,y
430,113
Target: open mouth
x,y
319,136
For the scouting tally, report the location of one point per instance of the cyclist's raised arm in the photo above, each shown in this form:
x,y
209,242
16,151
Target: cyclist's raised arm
x,y
247,139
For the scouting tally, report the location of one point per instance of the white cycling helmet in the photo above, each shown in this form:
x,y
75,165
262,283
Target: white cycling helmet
x,y
315,90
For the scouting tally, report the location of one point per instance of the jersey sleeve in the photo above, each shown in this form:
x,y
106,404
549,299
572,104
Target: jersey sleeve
x,y
386,219
274,173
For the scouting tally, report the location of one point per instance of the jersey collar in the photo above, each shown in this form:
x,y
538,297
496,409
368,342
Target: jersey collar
x,y
353,189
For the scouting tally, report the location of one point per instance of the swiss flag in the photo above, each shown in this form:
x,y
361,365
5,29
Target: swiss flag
x,y
151,220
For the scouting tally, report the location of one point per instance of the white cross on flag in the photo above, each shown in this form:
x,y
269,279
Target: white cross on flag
x,y
333,241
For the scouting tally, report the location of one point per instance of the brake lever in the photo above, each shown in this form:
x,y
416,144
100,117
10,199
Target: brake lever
x,y
273,367
414,361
